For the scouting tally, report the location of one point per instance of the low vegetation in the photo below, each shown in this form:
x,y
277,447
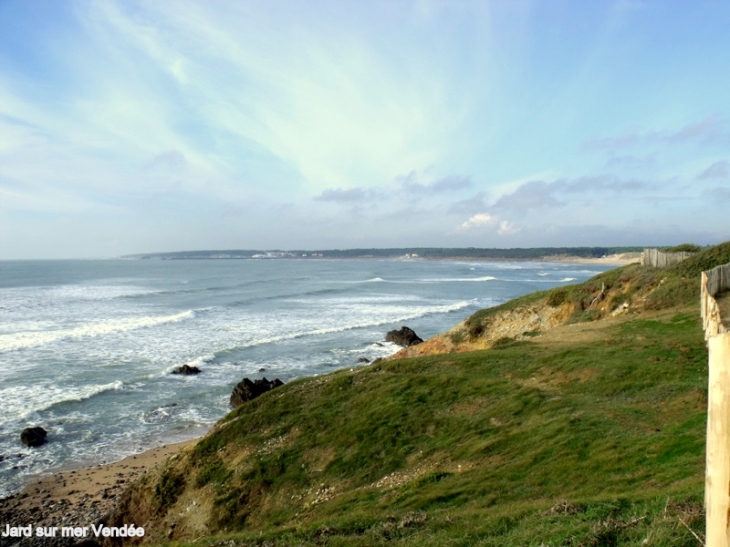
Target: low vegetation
x,y
592,441
683,248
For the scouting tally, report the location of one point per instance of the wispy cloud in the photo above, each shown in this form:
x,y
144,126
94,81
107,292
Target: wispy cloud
x,y
531,195
540,194
366,123
718,170
414,186
348,195
411,183
470,205
631,162
711,129
717,195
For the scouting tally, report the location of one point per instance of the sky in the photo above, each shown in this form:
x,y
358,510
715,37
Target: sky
x,y
149,126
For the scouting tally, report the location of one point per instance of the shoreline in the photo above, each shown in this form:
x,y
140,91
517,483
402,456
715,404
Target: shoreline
x,y
83,496
609,260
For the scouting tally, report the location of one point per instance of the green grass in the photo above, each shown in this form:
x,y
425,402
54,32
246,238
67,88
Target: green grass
x,y
590,442
584,444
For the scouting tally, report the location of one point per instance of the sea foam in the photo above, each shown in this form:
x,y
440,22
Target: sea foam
x,y
25,339
21,402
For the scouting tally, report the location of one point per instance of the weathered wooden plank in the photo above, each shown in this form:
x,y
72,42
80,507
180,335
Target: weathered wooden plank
x,y
659,259
717,467
717,475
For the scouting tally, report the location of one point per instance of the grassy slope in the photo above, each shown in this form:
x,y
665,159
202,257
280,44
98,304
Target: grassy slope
x,y
598,442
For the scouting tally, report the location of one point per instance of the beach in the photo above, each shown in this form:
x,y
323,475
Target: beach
x,y
78,497
610,260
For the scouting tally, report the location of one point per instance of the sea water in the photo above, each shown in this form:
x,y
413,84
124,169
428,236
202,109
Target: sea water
x,y
87,348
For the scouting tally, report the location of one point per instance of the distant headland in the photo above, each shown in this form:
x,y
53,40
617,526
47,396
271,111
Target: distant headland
x,y
427,253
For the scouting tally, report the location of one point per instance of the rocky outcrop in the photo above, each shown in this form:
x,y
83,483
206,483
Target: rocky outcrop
x,y
33,436
405,337
186,370
247,389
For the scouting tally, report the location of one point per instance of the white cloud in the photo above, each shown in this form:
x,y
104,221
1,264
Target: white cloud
x,y
479,220
506,227
487,221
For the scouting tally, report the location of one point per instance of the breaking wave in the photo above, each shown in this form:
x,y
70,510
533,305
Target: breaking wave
x,y
21,402
25,339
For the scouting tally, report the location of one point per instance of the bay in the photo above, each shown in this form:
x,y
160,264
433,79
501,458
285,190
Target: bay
x,y
87,347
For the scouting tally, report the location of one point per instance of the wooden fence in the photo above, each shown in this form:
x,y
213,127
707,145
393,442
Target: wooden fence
x,y
659,259
717,476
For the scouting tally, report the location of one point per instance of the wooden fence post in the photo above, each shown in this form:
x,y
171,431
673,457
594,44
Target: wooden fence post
x,y
717,477
717,470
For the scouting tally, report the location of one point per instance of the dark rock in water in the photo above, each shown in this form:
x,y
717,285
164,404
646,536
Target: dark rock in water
x,y
404,337
186,369
33,436
363,360
246,390
262,369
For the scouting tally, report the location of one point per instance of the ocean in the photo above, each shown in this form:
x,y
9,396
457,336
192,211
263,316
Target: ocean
x,y
87,347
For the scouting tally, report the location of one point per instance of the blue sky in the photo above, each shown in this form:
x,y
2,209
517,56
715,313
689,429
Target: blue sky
x,y
149,126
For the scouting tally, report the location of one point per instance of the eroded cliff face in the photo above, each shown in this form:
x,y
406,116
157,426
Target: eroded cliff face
x,y
518,324
158,503
533,319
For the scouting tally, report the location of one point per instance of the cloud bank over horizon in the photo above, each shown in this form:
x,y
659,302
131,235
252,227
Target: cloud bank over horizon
x,y
130,127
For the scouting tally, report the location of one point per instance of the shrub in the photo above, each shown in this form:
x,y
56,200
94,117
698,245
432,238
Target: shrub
x,y
169,487
214,472
457,337
702,261
683,248
475,327
557,297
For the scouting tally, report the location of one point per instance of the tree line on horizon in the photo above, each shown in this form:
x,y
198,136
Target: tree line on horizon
x,y
413,252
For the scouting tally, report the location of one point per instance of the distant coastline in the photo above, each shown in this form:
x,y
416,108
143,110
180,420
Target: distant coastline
x,y
606,255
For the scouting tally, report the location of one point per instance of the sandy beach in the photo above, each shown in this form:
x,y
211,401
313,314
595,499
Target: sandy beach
x,y
621,259
609,260
78,497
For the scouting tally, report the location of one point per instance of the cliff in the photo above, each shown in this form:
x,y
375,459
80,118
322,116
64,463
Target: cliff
x,y
581,423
